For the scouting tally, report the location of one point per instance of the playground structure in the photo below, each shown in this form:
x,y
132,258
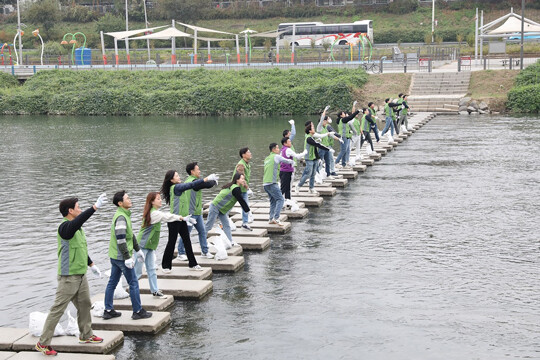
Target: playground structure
x,y
74,42
9,46
36,33
362,41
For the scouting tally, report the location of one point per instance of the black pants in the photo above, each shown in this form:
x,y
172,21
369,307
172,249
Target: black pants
x,y
367,136
285,180
175,228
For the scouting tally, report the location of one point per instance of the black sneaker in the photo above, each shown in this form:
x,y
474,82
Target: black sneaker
x,y
333,174
142,314
246,227
111,314
159,295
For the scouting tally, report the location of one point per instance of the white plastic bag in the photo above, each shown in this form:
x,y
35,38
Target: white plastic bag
x,y
119,292
221,253
224,239
295,207
232,225
98,308
72,328
37,321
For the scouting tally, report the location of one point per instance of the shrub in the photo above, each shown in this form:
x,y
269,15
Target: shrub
x,y
80,14
7,81
525,99
529,76
403,6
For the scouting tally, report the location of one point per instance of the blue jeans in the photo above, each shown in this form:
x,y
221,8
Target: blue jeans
x,y
118,267
325,155
389,125
276,200
150,269
213,214
245,214
309,172
344,152
376,131
202,235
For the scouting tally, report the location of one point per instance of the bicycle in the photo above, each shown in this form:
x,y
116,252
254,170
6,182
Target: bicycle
x,y
373,67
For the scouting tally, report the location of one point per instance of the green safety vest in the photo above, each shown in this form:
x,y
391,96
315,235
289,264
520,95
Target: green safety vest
x,y
113,245
399,102
271,169
365,124
191,200
247,172
405,110
174,201
148,236
309,148
72,254
388,111
372,112
326,141
344,130
225,200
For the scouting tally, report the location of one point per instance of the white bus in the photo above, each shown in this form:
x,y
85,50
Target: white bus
x,y
305,32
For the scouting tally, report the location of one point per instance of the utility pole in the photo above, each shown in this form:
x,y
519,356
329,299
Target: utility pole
x,y
433,23
127,41
146,27
20,33
522,32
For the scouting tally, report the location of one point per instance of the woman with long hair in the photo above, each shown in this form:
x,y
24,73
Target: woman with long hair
x,y
171,190
223,203
148,238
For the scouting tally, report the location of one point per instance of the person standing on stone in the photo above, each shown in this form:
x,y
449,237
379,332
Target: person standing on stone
x,y
373,113
245,158
324,127
191,204
224,201
122,245
286,171
73,261
365,129
390,119
346,134
148,239
270,179
404,112
172,190
397,110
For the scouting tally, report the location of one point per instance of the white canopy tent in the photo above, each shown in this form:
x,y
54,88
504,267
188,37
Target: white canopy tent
x,y
503,27
272,34
196,29
170,33
124,35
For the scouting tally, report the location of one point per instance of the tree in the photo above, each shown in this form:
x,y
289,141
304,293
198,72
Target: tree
x,y
110,23
46,12
185,11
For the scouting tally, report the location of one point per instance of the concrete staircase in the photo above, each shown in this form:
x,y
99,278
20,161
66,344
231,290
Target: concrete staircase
x,y
438,92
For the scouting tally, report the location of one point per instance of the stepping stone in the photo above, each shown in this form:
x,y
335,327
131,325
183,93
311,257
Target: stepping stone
x,y
149,302
381,151
252,243
272,228
242,232
231,264
70,344
375,156
337,182
309,201
9,335
34,355
359,167
368,162
126,324
299,214
8,354
347,174
181,289
257,217
234,251
181,273
322,190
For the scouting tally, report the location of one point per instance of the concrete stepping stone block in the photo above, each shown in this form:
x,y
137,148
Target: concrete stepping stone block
x,y
258,217
368,162
254,243
149,302
272,228
182,273
181,289
299,214
337,182
242,232
322,190
70,344
347,174
35,355
359,168
231,264
4,355
9,335
308,201
234,251
126,324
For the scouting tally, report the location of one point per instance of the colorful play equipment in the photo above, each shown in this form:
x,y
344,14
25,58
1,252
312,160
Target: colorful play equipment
x,y
362,42
247,38
9,46
36,33
74,42
15,48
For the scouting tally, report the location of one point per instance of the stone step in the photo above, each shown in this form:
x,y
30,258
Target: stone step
x,y
231,264
299,214
234,251
181,289
70,344
254,243
272,228
10,335
148,301
4,355
34,355
348,174
323,191
314,201
181,273
242,232
126,324
258,217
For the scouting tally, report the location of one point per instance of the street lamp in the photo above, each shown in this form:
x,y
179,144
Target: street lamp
x,y
433,23
19,31
522,33
36,33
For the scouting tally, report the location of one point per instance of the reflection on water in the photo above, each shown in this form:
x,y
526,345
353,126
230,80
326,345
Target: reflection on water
x,y
432,253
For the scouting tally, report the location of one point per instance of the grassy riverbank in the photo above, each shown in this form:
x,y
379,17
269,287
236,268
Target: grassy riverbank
x,y
195,92
525,96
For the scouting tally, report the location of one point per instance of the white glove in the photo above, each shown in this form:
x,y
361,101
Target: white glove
x,y
249,192
340,140
332,151
291,122
213,177
129,263
190,220
331,133
304,153
140,256
95,271
326,108
354,103
100,201
329,120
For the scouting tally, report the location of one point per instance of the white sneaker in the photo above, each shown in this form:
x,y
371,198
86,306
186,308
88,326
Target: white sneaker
x,y
338,166
330,177
296,189
234,243
182,257
166,271
208,255
277,222
313,191
196,268
380,134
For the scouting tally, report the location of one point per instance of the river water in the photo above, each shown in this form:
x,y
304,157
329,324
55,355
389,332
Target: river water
x,y
433,253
